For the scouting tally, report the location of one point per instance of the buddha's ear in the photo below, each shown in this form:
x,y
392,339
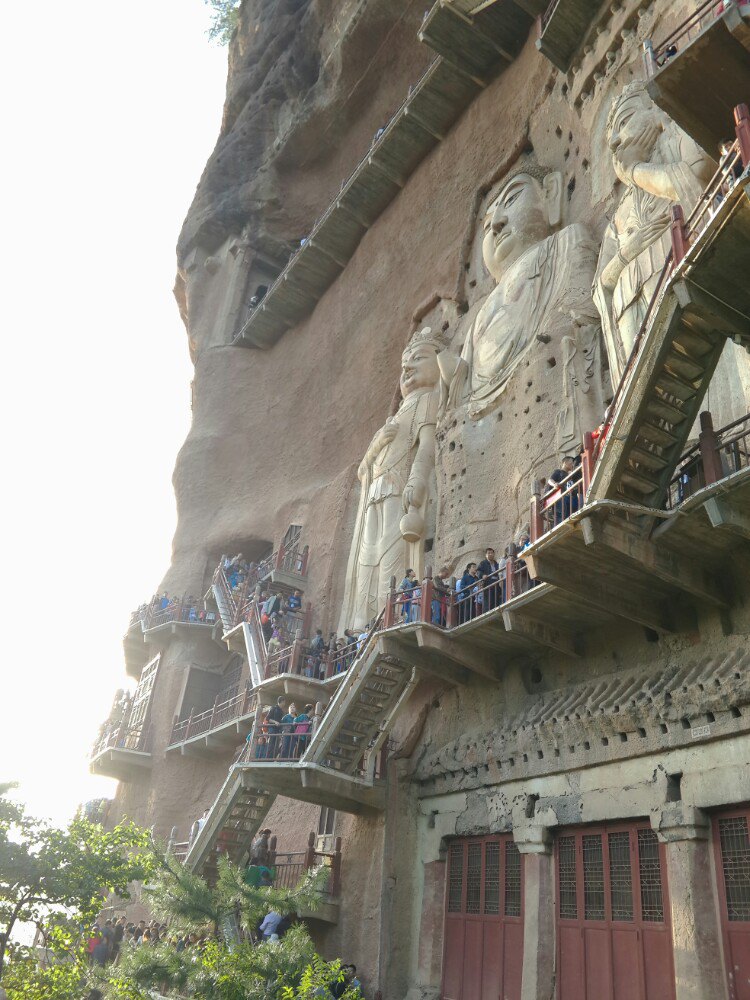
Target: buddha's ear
x,y
553,189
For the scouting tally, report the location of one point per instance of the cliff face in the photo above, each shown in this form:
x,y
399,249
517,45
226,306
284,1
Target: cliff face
x,y
309,83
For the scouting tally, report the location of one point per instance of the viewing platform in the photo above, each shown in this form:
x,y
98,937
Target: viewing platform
x,y
701,70
153,623
123,753
563,27
216,730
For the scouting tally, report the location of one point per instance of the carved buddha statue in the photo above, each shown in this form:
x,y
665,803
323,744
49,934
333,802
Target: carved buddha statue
x,y
396,474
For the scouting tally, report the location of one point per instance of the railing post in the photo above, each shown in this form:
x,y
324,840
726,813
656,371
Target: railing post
x,y
280,557
678,234
708,444
190,722
388,616
427,592
307,622
649,64
295,658
536,524
213,713
587,462
303,562
510,572
451,609
310,852
336,868
272,851
742,128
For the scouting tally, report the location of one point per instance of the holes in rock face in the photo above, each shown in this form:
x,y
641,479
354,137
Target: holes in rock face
x,y
566,154
570,136
571,749
526,409
651,635
663,728
735,712
551,362
586,745
511,762
463,471
526,758
685,723
500,415
623,737
537,399
536,675
605,741
452,446
571,186
461,543
585,163
472,283
710,717
445,326
557,751
467,265
642,732
531,801
540,755
563,91
674,787
558,132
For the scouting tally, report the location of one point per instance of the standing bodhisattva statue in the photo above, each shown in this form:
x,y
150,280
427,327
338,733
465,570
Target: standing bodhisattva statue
x,y
660,166
396,475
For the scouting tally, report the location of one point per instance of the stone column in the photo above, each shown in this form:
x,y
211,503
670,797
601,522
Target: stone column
x,y
538,977
696,937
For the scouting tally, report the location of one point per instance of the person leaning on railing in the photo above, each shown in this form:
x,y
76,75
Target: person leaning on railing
x,y
440,596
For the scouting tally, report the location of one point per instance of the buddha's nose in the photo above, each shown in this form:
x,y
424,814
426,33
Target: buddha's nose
x,y
614,142
499,223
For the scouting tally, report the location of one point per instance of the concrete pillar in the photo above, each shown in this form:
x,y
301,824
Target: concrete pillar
x,y
538,977
430,956
696,937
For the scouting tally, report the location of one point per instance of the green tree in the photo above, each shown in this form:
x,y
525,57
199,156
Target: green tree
x,y
48,873
224,18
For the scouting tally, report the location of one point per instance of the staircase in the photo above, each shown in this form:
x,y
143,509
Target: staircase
x,y
224,597
699,303
233,822
362,712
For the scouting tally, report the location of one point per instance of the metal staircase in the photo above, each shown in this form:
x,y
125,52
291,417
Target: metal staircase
x,y
234,820
701,300
362,712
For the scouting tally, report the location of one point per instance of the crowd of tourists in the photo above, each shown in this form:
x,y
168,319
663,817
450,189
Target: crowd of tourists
x,y
170,607
284,731
108,939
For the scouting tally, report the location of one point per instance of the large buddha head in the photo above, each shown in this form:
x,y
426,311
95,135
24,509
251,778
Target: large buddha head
x,y
419,365
523,213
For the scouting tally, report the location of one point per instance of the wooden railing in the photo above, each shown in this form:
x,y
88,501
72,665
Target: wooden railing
x,y
291,866
554,504
717,454
277,742
293,561
222,712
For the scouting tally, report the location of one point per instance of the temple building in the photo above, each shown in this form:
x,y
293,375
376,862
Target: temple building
x,y
467,278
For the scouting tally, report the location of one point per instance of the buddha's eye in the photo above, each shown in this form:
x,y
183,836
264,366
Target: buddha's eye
x,y
511,198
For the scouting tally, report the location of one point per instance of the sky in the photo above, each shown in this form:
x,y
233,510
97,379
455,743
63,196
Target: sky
x,y
109,113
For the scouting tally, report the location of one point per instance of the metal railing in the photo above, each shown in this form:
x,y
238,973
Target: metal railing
x,y
123,737
221,713
454,606
659,55
277,742
290,867
717,454
185,611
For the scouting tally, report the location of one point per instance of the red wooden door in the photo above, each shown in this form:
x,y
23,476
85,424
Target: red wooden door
x,y
732,853
613,936
483,942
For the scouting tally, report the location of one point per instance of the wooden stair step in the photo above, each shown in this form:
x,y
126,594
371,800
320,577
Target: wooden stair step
x,y
684,364
660,408
659,435
692,342
675,386
640,483
649,459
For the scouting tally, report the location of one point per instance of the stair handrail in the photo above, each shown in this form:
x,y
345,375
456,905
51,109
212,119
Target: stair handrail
x,y
344,688
659,52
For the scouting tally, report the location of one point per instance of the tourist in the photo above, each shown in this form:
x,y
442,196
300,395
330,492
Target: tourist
x,y
274,718
465,587
270,925
489,567
302,727
440,595
93,942
287,726
563,479
405,588
317,649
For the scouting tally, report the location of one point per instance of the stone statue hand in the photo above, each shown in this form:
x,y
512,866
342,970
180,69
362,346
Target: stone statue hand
x,y
413,496
630,152
642,238
386,434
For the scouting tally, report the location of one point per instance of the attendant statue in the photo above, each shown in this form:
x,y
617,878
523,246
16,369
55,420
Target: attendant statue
x,y
659,166
542,296
396,476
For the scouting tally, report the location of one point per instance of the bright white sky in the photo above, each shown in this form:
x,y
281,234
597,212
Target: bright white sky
x,y
109,112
